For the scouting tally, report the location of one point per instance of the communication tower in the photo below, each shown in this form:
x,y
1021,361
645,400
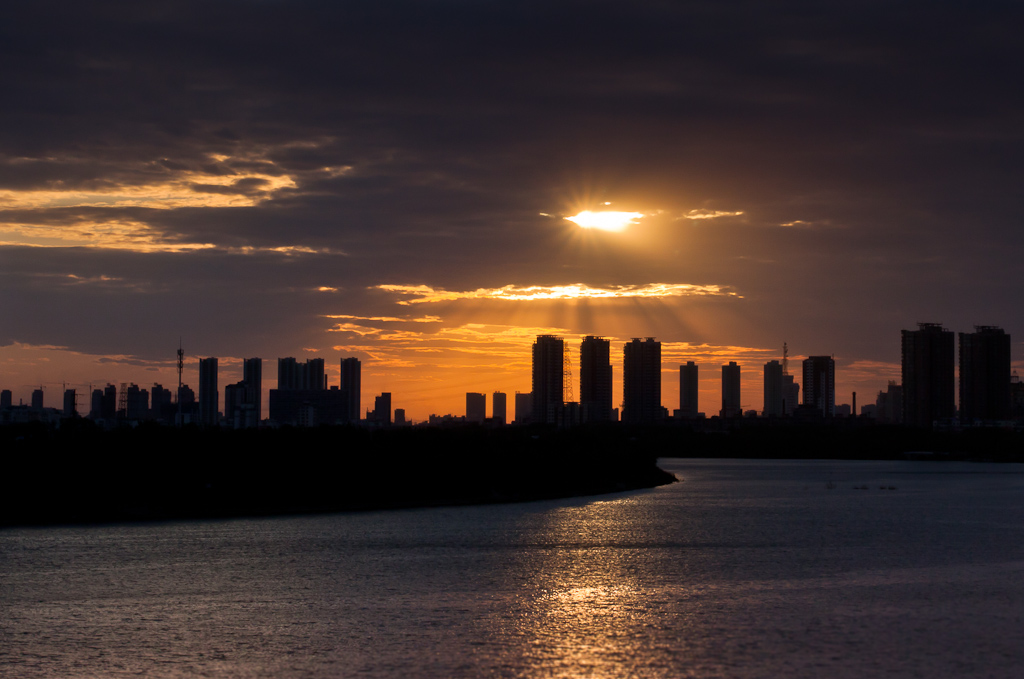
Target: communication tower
x,y
785,359
181,366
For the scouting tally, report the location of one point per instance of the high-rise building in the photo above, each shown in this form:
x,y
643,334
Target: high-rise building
x,y
595,379
498,407
382,409
889,404
252,380
984,374
688,390
524,407
773,399
548,378
351,384
313,377
641,381
37,399
209,394
731,406
293,375
820,384
70,409
6,398
928,366
476,407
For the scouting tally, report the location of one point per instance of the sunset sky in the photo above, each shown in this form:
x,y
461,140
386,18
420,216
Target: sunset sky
x,y
392,181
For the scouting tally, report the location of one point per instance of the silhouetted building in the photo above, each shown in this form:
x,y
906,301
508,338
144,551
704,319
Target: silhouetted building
x,y
984,374
243,401
790,394
688,390
773,399
820,384
308,407
160,404
70,407
476,407
351,384
252,379
889,405
382,409
37,399
1016,397
294,375
400,417
136,403
548,378
641,381
524,407
499,407
595,380
209,392
109,404
6,398
731,406
928,361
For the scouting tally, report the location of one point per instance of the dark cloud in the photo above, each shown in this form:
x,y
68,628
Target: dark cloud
x,y
417,143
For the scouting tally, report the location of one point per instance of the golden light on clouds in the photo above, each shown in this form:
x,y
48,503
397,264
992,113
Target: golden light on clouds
x,y
422,294
710,214
605,220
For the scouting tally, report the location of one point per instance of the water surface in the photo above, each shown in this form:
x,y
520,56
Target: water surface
x,y
744,569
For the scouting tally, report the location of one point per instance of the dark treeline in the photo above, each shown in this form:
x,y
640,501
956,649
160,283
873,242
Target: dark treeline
x,y
82,474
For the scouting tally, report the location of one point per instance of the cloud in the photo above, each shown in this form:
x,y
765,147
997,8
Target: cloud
x,y
424,294
710,214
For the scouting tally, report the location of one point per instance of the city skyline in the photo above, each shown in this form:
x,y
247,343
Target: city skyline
x,y
428,196
928,366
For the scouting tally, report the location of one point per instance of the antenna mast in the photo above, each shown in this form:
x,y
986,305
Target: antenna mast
x,y
785,359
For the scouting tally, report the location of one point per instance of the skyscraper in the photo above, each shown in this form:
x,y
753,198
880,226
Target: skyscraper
x,y
209,394
984,374
382,409
524,407
731,406
595,379
351,384
688,406
252,380
476,407
498,407
641,381
928,369
820,384
773,398
548,378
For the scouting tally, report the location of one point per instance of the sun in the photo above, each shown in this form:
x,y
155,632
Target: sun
x,y
605,221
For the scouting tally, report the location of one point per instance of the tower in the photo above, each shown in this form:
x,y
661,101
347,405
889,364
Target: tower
x,y
927,368
731,406
641,381
476,407
688,407
498,407
820,384
548,377
209,394
595,379
984,374
351,384
773,399
252,381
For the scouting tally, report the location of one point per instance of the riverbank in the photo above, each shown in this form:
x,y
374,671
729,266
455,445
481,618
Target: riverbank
x,y
158,473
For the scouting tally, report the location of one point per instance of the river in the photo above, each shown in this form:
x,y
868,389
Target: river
x,y
743,569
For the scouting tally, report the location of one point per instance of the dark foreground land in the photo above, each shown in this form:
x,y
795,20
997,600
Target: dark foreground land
x,y
82,475
79,474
